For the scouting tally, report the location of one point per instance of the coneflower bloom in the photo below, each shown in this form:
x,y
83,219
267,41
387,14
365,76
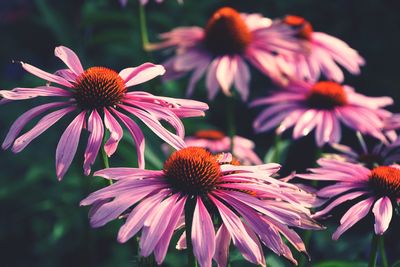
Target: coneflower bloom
x,y
221,49
322,105
322,53
251,207
216,142
95,93
380,154
377,189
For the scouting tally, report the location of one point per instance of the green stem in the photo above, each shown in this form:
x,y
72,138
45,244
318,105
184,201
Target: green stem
x,y
189,210
374,250
277,156
106,163
382,251
230,113
143,27
307,240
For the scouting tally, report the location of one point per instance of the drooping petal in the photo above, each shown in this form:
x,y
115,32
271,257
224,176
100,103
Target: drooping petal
x,y
69,58
28,93
96,129
68,145
203,235
383,211
242,78
141,74
222,241
226,71
115,130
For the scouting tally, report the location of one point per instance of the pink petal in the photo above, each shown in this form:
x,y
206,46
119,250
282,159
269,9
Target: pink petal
x,y
141,74
22,120
116,133
96,129
45,123
383,211
136,134
127,173
69,58
203,235
197,74
68,145
45,75
242,78
28,93
222,241
211,79
226,71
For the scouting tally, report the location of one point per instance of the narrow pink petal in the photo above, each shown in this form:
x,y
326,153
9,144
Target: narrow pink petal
x,y
22,120
352,216
156,224
222,241
226,71
141,74
115,130
242,78
211,79
68,145
203,235
136,134
96,129
197,74
28,93
160,251
45,75
45,123
69,58
127,173
383,211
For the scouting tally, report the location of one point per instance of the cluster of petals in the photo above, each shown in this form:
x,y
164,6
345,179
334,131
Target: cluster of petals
x,y
253,209
242,148
321,54
352,182
304,108
146,107
265,44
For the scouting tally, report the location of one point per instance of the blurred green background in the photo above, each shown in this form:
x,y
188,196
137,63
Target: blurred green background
x,y
41,223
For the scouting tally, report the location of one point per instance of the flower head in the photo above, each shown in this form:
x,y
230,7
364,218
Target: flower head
x,y
322,105
322,53
216,142
220,51
377,189
95,93
250,205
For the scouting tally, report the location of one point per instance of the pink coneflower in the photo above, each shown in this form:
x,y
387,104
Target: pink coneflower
x,y
221,49
252,207
322,105
380,154
98,92
216,142
378,189
322,53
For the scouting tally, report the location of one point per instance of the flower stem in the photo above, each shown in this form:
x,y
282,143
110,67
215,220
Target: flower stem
x,y
189,210
382,251
374,250
230,113
106,163
307,240
143,27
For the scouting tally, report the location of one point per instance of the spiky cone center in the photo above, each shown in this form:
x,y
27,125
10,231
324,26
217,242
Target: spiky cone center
x,y
99,87
326,95
210,135
192,171
385,181
303,27
226,33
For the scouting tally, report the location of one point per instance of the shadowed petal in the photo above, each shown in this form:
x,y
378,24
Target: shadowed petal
x,y
96,129
115,130
383,211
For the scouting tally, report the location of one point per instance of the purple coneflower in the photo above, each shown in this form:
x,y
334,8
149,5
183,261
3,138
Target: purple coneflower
x,y
377,189
322,105
196,188
95,93
216,142
221,49
322,53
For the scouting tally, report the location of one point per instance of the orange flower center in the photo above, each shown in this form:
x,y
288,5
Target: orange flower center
x,y
227,33
99,87
210,134
385,181
326,95
192,170
303,27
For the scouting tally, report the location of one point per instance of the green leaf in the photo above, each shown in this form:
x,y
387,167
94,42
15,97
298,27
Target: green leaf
x,y
278,152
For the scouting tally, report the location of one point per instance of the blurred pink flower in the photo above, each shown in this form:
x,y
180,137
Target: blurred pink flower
x,y
221,49
378,189
216,142
252,207
322,105
322,54
97,92
144,2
